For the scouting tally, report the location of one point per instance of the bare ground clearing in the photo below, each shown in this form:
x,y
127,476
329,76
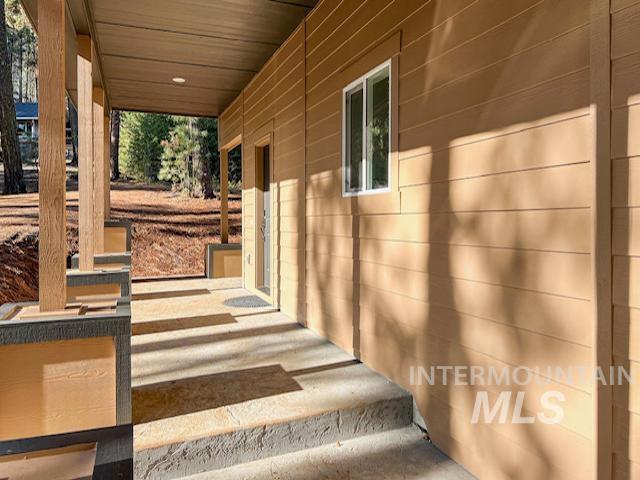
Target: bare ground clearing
x,y
169,233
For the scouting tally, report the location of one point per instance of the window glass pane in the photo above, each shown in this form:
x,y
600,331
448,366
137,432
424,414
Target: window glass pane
x,y
378,130
353,177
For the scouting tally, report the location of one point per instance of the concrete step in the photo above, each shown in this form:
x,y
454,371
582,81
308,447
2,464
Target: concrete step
x,y
225,385
343,412
399,454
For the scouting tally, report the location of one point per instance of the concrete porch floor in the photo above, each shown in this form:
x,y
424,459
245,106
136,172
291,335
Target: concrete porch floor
x,y
217,385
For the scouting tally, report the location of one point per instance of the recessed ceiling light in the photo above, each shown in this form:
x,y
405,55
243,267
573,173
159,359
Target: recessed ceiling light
x,y
179,79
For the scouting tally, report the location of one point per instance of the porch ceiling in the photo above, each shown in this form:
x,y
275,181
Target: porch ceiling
x,y
215,45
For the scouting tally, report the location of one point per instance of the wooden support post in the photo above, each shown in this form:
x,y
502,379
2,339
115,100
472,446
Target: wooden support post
x,y
85,155
224,196
107,166
98,169
52,144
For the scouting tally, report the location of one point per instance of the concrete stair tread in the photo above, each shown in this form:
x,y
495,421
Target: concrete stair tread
x,y
293,399
236,385
398,454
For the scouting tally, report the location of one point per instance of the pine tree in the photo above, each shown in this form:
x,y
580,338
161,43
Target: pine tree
x,y
141,137
178,155
13,175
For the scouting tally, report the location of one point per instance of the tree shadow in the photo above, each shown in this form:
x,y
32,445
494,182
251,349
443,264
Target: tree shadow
x,y
182,397
480,269
181,323
170,294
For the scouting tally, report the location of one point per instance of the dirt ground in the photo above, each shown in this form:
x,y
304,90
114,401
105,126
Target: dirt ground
x,y
169,233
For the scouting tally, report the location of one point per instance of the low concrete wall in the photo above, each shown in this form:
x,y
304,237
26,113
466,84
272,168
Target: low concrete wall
x,y
223,260
117,236
116,284
106,260
66,380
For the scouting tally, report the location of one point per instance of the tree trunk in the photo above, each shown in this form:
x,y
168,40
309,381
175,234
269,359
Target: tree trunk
x,y
207,183
27,95
206,178
21,63
13,176
27,74
115,144
73,124
10,45
201,164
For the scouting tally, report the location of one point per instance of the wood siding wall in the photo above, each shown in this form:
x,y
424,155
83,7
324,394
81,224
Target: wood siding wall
x,y
230,122
481,253
485,258
625,154
273,104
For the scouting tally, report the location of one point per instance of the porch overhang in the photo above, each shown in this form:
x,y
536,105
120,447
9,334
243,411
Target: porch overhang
x,y
216,46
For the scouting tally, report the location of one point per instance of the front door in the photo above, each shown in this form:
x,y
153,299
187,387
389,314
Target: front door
x,y
266,222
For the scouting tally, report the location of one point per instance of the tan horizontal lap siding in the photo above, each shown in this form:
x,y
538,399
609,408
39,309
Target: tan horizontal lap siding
x,y
275,96
482,254
625,153
230,122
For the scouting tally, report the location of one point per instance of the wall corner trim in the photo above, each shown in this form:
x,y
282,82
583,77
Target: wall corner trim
x,y
601,258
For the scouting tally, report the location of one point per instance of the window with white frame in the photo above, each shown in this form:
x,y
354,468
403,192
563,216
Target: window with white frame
x,y
366,129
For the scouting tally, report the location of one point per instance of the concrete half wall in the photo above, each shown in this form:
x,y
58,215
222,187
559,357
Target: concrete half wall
x,y
223,260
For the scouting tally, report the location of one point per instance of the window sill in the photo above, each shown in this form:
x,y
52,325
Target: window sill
x,y
366,193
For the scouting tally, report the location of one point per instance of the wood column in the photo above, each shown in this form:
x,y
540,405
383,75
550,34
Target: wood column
x,y
98,169
52,145
107,166
224,196
85,155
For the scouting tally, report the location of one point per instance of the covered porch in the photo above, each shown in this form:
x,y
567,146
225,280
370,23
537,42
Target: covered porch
x,y
425,184
226,387
225,384
70,352
177,377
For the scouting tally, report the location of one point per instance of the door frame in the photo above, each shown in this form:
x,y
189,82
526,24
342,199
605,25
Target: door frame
x,y
263,137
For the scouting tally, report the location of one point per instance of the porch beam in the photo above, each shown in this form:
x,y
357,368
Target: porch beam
x,y
52,142
224,196
98,169
85,155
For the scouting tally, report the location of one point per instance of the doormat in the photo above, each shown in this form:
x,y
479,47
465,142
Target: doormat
x,y
246,301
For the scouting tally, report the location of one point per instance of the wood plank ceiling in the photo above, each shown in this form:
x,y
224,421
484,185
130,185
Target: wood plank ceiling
x,y
216,46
